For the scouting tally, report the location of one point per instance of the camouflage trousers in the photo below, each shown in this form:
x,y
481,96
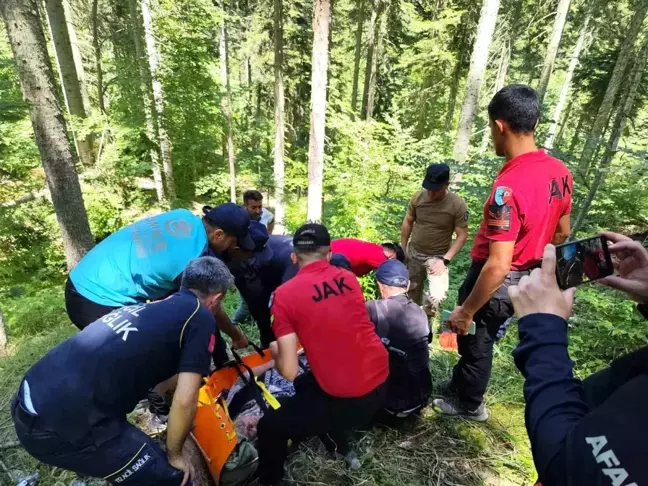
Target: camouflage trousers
x,y
418,265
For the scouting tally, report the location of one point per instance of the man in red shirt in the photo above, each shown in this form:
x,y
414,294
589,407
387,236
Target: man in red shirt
x,y
323,309
528,207
364,256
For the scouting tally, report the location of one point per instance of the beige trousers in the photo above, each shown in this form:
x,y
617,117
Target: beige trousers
x,y
418,265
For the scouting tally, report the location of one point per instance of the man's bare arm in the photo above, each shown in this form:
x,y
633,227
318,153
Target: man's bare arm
x,y
562,231
285,356
462,236
225,325
406,229
183,409
492,275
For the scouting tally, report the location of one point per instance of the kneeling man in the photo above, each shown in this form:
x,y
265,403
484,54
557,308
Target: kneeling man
x,y
323,309
405,325
70,410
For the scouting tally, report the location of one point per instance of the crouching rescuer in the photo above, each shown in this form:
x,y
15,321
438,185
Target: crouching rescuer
x,y
70,410
322,308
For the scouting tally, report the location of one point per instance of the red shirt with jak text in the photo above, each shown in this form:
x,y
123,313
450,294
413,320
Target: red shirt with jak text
x,y
529,196
325,307
363,255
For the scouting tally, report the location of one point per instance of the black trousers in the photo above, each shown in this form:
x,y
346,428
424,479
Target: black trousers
x,y
471,374
83,311
130,458
311,412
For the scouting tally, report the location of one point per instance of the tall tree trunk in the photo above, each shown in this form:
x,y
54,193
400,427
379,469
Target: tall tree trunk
x,y
500,78
454,87
358,52
557,141
605,109
478,62
71,71
372,61
37,84
321,21
3,335
158,98
147,99
552,48
96,44
624,112
564,92
225,80
279,118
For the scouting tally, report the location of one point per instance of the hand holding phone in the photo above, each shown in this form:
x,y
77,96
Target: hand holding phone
x,y
583,261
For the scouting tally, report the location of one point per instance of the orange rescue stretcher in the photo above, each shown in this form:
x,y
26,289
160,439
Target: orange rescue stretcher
x,y
213,428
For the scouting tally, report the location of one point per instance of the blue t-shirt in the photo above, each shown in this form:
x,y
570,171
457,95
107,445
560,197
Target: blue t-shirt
x,y
102,372
141,261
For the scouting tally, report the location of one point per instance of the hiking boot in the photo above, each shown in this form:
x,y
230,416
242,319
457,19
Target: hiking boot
x,y
452,408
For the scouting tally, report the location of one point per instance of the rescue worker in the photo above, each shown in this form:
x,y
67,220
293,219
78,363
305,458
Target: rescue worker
x,y
434,214
528,207
365,256
323,309
253,204
589,433
71,407
405,327
143,261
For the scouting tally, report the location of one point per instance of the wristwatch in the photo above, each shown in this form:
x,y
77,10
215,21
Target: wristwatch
x,y
446,262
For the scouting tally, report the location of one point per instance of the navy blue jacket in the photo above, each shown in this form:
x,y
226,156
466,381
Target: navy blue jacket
x,y
590,433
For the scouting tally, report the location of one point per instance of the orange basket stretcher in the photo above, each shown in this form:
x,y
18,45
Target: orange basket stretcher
x,y
213,428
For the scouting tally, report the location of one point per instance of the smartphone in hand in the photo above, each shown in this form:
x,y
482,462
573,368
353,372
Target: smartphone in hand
x,y
444,326
583,261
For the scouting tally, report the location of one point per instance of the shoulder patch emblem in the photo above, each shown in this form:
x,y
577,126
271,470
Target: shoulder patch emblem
x,y
502,195
466,216
499,217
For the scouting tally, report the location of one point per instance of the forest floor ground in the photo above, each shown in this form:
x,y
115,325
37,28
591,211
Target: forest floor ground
x,y
433,450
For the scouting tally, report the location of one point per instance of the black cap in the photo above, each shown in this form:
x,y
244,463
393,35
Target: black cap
x,y
233,220
340,261
436,176
311,236
259,235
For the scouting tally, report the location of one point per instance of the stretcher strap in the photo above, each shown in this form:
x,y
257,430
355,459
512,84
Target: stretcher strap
x,y
272,401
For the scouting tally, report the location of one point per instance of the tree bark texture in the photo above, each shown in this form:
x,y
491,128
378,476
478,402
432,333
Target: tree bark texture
x,y
357,55
227,105
375,36
604,111
564,91
552,48
623,114
70,70
500,78
478,62
96,44
158,97
279,148
147,99
454,88
37,84
321,21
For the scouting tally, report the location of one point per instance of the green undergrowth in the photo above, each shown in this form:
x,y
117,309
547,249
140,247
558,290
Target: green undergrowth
x,y
433,450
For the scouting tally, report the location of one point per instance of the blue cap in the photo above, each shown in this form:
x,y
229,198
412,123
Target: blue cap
x,y
259,235
393,273
340,261
233,220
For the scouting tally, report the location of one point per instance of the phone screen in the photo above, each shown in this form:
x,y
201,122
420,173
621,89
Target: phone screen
x,y
582,261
